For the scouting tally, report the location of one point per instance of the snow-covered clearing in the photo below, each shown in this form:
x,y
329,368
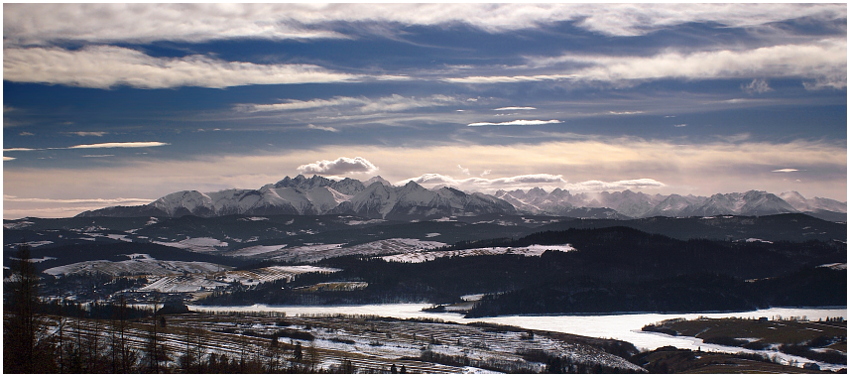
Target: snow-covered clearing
x,y
211,280
364,222
18,225
119,237
529,251
32,244
314,253
252,251
136,266
35,260
199,245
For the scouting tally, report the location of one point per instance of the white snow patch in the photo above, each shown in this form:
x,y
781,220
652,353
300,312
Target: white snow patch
x,y
757,240
364,222
529,251
18,225
35,260
137,266
254,218
33,244
198,245
254,250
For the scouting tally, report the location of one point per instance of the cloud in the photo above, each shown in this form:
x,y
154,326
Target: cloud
x,y
135,144
529,181
99,201
88,133
8,158
628,184
322,128
757,86
46,207
40,24
98,155
823,61
485,184
106,67
24,133
680,125
625,112
787,170
515,108
18,149
519,122
393,103
463,170
340,166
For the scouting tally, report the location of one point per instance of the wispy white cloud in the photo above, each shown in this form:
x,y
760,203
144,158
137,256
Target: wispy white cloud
x,y
109,66
134,144
528,181
485,184
105,23
322,128
625,112
519,122
757,86
823,63
786,170
88,133
340,166
5,158
98,155
391,103
102,201
680,125
515,108
131,144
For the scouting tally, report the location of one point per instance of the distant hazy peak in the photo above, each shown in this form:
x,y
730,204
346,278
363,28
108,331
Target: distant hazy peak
x,y
377,178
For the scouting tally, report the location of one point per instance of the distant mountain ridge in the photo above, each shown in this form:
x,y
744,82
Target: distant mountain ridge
x,y
381,200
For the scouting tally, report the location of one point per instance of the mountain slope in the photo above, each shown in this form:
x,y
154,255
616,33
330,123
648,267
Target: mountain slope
x,y
378,199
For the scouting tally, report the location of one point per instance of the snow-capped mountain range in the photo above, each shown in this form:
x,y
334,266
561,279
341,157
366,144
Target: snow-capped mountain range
x,y
377,198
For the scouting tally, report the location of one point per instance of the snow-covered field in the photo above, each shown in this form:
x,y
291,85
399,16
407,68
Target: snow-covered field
x,y
32,244
254,250
529,251
615,326
143,265
199,244
314,253
210,281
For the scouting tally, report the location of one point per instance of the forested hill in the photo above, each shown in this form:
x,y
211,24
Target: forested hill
x,y
612,269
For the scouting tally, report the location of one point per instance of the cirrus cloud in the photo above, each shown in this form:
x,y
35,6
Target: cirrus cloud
x,y
105,67
133,144
519,122
528,181
39,24
340,166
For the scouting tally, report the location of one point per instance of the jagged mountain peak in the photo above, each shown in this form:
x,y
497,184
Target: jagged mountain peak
x,y
377,198
377,178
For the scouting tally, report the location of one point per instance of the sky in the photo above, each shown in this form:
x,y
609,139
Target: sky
x,y
120,104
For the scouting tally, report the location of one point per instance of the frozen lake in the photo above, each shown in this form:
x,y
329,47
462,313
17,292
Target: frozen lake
x,y
620,326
